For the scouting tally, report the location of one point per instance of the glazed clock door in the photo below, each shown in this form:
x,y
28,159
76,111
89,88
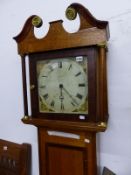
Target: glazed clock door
x,y
64,84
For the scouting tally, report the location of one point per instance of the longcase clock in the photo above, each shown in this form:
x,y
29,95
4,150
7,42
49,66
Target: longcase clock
x,y
68,90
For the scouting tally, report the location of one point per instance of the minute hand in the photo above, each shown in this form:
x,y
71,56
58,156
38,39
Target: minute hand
x,y
70,96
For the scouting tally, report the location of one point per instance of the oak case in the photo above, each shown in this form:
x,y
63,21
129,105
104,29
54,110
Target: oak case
x,y
67,142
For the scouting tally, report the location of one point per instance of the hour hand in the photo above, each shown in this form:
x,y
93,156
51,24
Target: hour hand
x,y
61,92
61,96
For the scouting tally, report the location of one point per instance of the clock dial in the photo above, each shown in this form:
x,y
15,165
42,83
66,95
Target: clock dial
x,y
62,85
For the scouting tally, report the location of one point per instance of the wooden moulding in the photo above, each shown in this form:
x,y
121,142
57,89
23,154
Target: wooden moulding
x,y
91,32
66,125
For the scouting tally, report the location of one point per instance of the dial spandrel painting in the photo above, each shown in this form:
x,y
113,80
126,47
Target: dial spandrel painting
x,y
63,85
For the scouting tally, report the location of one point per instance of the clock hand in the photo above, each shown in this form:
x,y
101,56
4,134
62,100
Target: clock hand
x,y
61,96
70,95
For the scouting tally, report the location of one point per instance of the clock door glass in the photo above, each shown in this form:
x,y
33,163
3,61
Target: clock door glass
x,y
62,85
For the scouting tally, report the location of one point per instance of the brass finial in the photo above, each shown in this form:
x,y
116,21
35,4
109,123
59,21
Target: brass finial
x,y
32,86
102,124
71,13
37,21
102,44
26,117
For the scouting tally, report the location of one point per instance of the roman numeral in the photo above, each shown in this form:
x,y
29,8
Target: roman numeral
x,y
73,104
79,96
52,103
45,96
43,87
60,64
70,67
79,73
51,68
81,85
62,106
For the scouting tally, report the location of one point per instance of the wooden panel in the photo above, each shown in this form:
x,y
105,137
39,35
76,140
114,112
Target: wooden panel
x,y
62,40
91,32
64,160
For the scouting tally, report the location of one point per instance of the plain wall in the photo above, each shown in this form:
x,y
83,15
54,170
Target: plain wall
x,y
114,145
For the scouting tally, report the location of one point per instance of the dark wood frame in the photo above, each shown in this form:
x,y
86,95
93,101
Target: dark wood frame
x,y
91,53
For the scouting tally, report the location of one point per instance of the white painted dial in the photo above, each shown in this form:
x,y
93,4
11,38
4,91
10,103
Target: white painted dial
x,y
62,86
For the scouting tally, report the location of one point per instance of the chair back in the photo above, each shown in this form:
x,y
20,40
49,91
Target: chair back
x,y
15,159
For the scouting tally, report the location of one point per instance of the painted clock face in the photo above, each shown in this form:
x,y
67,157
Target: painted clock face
x,y
62,85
